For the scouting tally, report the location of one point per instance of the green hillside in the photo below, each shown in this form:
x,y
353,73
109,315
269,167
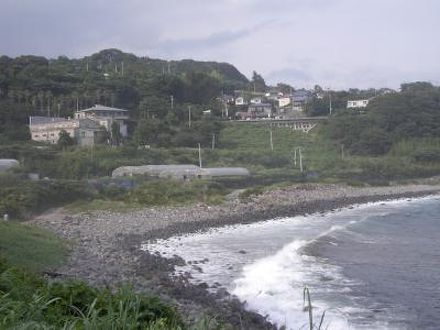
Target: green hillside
x,y
34,85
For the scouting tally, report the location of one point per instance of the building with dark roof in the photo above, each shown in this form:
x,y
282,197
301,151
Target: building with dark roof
x,y
105,116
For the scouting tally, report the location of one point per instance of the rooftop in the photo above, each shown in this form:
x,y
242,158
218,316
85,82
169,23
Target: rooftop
x,y
99,107
37,120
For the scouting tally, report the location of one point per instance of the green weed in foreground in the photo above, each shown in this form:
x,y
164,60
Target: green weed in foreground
x,y
28,301
30,247
307,302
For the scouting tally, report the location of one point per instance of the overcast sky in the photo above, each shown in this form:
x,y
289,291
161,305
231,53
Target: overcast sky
x,y
334,43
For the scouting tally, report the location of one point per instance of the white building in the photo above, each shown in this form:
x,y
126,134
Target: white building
x,y
240,101
256,100
357,104
283,102
84,131
47,129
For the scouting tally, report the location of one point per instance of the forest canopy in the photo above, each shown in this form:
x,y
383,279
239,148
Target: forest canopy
x,y
412,113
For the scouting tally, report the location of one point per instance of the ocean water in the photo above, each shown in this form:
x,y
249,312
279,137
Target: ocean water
x,y
372,266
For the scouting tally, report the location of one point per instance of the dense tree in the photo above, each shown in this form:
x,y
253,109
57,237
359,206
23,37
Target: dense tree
x,y
13,121
257,83
65,140
57,87
285,88
116,136
389,119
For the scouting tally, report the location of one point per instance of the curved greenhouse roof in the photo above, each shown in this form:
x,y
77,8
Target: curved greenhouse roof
x,y
179,171
6,164
224,171
156,170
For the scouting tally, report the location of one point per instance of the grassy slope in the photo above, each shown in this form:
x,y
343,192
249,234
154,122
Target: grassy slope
x,y
30,247
246,144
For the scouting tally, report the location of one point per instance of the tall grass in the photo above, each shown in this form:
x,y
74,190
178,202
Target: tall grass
x,y
307,302
28,301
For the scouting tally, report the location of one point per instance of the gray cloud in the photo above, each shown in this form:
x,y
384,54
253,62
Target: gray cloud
x,y
293,76
340,43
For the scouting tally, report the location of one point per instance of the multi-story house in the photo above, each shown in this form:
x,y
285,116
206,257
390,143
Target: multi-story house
x,y
105,116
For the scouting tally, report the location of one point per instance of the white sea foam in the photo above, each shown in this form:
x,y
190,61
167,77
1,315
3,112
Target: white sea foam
x,y
263,263
273,286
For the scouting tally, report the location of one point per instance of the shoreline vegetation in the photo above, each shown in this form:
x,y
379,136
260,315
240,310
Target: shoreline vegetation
x,y
356,156
106,244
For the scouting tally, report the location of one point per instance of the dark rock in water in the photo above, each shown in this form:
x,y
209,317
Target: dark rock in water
x,y
222,293
200,270
325,278
242,252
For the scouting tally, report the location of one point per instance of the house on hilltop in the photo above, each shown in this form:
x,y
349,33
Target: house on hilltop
x,y
300,99
356,104
256,111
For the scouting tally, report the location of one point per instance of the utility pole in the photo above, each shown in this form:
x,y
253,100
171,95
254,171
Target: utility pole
x,y
330,101
299,151
342,152
213,142
189,116
271,138
200,157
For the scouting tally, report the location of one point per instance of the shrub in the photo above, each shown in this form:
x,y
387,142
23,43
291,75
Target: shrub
x,y
23,198
29,301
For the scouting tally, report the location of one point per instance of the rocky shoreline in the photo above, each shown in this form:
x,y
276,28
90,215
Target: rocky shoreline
x,y
106,245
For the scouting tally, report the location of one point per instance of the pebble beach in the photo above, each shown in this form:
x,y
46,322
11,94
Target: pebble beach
x,y
105,246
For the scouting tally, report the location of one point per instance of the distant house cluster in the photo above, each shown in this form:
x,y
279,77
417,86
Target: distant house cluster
x,y
356,104
88,127
273,104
